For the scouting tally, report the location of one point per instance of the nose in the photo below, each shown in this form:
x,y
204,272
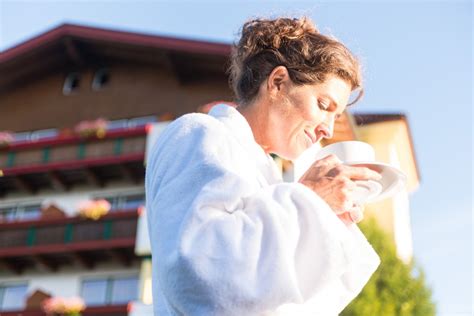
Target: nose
x,y
324,131
326,128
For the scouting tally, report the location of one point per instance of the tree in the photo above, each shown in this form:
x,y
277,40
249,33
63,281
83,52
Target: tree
x,y
396,288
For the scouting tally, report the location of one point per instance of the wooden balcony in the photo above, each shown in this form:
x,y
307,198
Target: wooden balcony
x,y
52,243
69,160
107,310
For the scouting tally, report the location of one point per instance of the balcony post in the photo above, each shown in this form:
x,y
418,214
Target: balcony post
x,y
68,233
31,238
118,146
11,159
107,229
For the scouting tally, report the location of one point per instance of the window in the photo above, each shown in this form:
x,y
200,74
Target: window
x,y
133,201
112,290
124,290
125,201
20,212
36,135
101,78
141,121
22,137
117,124
43,134
29,212
94,292
12,297
71,83
131,123
7,215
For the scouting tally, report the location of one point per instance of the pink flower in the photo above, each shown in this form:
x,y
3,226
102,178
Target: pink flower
x,y
94,127
6,137
54,305
67,306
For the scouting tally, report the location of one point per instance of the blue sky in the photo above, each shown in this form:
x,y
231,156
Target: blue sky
x,y
417,57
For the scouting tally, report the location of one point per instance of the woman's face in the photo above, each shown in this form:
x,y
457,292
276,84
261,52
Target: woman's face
x,y
303,115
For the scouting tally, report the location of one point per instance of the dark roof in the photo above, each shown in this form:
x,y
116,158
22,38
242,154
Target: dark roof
x,y
76,46
370,118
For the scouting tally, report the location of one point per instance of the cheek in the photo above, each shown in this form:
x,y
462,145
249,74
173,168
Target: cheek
x,y
313,115
299,140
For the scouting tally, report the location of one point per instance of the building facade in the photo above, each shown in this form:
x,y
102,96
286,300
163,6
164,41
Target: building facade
x,y
81,106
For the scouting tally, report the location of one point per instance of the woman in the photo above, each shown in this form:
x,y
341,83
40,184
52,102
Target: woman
x,y
228,237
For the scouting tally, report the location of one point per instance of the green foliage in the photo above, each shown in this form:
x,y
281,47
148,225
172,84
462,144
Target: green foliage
x,y
396,288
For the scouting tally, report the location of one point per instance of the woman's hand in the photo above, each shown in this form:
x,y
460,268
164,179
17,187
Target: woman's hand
x,y
333,182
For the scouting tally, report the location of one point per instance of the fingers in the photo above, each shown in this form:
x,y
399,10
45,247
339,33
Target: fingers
x,y
334,182
326,164
320,167
330,160
360,173
354,216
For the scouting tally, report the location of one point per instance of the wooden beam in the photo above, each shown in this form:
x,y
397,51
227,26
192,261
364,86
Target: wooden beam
x,y
128,173
57,181
177,66
24,185
93,178
47,263
121,256
73,52
13,266
170,65
86,261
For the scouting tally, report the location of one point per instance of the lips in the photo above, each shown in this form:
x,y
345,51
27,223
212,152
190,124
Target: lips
x,y
313,138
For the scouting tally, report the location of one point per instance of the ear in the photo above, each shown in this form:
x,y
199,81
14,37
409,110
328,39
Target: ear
x,y
278,78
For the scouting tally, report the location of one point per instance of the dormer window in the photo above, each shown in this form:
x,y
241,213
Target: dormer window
x,y
101,78
71,83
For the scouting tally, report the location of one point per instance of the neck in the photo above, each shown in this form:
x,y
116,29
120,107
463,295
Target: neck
x,y
257,116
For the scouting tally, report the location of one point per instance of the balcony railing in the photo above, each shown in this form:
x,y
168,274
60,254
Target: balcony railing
x,y
107,310
72,147
68,161
52,242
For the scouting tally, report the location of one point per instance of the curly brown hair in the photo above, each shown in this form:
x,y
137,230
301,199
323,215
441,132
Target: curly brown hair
x,y
294,43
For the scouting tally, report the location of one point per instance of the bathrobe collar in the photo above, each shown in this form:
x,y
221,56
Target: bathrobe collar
x,y
239,127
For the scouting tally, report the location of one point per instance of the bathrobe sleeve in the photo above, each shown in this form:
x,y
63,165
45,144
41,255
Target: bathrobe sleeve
x,y
225,245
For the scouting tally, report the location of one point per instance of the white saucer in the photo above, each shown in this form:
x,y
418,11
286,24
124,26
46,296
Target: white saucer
x,y
393,179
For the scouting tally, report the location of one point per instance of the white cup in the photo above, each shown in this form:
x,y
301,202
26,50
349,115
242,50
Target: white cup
x,y
348,151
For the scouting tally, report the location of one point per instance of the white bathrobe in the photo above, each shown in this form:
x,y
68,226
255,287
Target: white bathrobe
x,y
228,237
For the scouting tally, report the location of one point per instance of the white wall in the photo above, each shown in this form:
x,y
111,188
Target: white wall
x,y
401,215
402,226
67,282
142,241
154,131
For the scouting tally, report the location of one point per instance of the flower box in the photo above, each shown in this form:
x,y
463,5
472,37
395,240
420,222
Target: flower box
x,y
6,138
94,209
97,128
59,306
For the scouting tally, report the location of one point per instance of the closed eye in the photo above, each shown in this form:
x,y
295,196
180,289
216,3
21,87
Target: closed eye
x,y
323,106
